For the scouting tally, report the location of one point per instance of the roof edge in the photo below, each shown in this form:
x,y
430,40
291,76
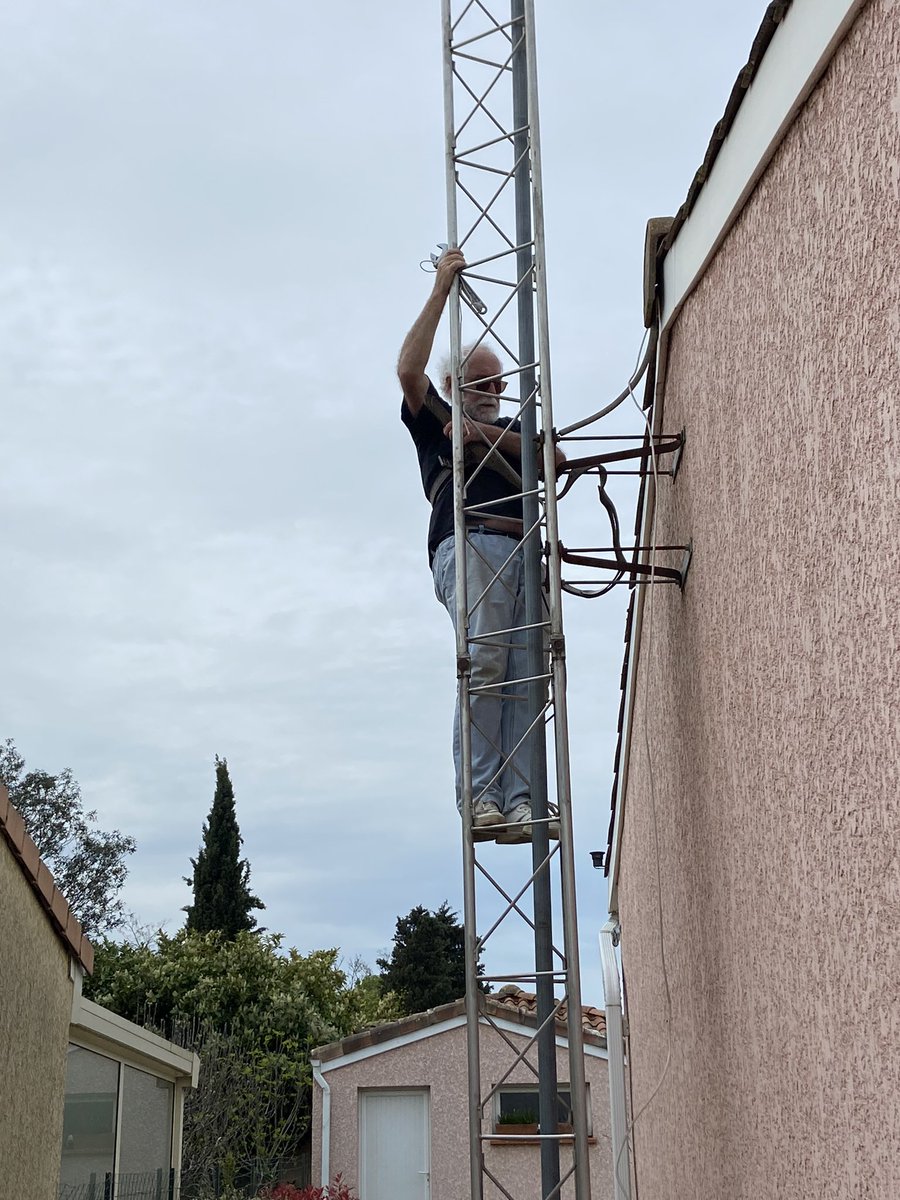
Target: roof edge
x,y
774,15
65,924
93,1023
433,1019
793,48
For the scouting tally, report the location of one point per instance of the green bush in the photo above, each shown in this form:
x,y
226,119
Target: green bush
x,y
253,1012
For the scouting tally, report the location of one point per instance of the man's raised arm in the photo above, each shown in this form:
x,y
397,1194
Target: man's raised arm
x,y
418,343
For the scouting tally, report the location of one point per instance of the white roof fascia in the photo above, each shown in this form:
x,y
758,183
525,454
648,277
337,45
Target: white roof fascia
x,y
97,1028
794,61
407,1039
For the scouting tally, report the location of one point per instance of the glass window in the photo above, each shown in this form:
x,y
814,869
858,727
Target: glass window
x,y
519,1105
146,1136
89,1119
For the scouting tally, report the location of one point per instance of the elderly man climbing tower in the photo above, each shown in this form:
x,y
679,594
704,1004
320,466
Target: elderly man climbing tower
x,y
494,567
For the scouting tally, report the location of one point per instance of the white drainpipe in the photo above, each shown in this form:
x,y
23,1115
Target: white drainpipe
x,y
615,1045
326,1120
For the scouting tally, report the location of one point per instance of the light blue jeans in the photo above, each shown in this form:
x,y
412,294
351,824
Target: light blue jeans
x,y
499,717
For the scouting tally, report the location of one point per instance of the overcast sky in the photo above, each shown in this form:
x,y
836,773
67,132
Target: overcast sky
x,y
211,220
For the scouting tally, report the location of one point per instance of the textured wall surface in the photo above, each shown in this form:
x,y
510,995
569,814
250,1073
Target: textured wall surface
x,y
773,722
439,1064
35,1009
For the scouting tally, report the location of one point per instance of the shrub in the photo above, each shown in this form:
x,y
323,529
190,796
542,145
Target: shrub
x,y
336,1190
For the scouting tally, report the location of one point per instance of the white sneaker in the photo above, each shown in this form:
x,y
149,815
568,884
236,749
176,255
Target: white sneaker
x,y
518,824
520,817
486,813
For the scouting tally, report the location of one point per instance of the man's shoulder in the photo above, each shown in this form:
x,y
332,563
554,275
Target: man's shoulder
x,y
425,417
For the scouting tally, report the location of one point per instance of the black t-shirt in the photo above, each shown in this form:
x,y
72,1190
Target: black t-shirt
x,y
434,451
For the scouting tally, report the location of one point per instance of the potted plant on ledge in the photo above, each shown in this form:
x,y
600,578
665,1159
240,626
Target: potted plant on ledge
x,y
520,1121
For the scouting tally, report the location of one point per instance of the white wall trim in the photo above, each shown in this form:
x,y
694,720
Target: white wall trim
x,y
797,56
419,1035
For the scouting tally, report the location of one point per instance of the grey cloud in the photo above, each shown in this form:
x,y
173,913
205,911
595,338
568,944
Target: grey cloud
x,y
210,227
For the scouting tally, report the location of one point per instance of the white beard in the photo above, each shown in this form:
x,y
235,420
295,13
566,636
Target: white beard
x,y
486,410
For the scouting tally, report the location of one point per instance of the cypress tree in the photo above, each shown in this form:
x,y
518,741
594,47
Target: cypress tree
x,y
221,878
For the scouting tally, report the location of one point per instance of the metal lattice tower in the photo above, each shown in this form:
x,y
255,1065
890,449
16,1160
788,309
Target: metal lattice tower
x,y
495,215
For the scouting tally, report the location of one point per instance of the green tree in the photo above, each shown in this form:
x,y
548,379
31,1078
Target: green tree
x,y
253,1013
427,966
88,864
221,878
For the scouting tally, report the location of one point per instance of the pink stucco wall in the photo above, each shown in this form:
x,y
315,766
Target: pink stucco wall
x,y
439,1064
774,720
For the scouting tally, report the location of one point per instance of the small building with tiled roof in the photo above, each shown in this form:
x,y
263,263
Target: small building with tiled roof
x,y
390,1112
87,1095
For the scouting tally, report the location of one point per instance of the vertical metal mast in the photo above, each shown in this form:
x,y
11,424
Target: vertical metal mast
x,y
495,215
534,606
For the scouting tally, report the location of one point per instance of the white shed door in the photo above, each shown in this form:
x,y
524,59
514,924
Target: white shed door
x,y
394,1145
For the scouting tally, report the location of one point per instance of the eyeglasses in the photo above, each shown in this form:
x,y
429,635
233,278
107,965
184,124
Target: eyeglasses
x,y
486,385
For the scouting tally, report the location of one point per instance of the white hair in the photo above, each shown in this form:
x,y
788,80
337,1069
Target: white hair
x,y
444,364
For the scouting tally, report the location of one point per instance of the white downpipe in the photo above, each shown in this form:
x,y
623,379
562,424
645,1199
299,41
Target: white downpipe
x,y
615,1045
326,1119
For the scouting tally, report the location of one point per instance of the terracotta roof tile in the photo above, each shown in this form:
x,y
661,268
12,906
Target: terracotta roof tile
x,y
31,860
85,953
509,1002
14,829
43,884
593,1020
54,903
378,1034
59,908
73,930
